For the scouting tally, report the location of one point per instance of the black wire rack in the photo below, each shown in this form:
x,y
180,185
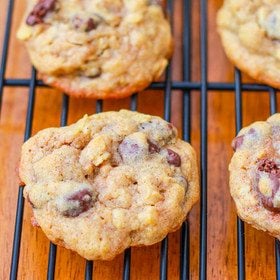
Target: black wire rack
x,y
168,85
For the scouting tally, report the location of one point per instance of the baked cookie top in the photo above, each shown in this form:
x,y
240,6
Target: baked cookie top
x,y
109,181
255,174
250,33
97,48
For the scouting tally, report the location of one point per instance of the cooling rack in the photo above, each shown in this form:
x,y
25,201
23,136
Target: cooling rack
x,y
188,87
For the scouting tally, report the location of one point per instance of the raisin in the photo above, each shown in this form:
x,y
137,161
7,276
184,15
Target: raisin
x,y
39,11
85,202
173,158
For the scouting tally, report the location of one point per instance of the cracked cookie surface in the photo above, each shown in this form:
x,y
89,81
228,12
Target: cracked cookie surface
x,y
255,174
109,181
93,48
250,33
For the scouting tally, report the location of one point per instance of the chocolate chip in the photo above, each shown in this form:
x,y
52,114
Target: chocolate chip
x,y
84,25
267,201
268,204
153,148
39,11
32,20
91,24
269,166
173,158
237,142
84,203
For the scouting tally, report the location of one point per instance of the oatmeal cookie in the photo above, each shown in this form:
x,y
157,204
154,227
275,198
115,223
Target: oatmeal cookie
x,y
250,33
109,181
93,48
255,175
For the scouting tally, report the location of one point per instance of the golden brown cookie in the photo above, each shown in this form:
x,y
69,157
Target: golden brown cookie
x,y
250,33
109,181
93,48
255,175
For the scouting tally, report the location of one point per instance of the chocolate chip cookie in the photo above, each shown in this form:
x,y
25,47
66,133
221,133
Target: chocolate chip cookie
x,y
109,181
250,33
100,49
255,175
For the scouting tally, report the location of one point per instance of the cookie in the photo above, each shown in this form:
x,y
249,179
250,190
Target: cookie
x,y
100,49
255,175
250,33
108,182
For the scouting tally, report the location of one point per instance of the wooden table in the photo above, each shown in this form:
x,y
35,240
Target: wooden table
x,y
221,238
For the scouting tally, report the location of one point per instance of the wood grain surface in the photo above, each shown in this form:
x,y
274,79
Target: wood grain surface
x,y
222,250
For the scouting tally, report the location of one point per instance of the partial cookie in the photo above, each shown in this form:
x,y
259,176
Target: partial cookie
x,y
109,181
255,175
250,33
100,49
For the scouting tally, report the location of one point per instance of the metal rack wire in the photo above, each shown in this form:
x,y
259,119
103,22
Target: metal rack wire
x,y
187,85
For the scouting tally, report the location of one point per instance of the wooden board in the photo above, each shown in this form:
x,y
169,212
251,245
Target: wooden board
x,y
222,252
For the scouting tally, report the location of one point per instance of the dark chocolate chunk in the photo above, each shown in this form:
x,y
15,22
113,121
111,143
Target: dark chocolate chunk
x,y
153,148
84,24
173,158
269,166
85,202
237,142
268,203
39,11
90,25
